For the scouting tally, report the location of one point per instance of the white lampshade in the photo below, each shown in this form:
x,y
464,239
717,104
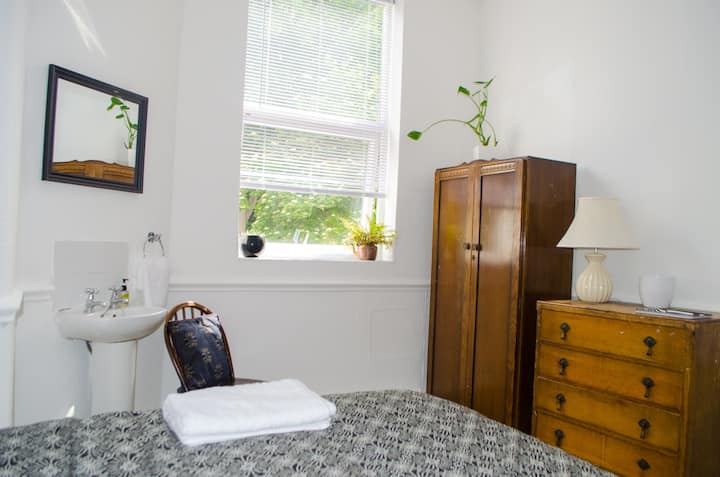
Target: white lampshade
x,y
597,224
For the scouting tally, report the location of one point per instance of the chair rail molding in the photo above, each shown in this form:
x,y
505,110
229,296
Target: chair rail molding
x,y
37,295
345,286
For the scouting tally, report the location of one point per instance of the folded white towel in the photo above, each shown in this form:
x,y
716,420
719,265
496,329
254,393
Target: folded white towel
x,y
232,412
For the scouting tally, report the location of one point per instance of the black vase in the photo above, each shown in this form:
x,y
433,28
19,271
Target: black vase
x,y
252,245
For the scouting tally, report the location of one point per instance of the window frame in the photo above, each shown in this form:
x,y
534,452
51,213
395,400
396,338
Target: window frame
x,y
318,123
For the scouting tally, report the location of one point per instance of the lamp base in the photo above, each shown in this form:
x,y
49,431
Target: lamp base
x,y
594,284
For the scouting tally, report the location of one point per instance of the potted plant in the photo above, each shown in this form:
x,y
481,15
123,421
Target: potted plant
x,y
476,123
364,239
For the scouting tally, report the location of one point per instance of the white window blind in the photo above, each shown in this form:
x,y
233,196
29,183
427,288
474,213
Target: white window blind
x,y
315,112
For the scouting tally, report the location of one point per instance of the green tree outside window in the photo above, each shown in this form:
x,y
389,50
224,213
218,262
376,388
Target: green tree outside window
x,y
289,217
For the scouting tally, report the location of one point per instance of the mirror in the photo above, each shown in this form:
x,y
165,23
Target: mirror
x,y
94,133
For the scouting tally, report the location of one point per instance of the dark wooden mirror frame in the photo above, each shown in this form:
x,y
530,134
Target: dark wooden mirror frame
x,y
57,73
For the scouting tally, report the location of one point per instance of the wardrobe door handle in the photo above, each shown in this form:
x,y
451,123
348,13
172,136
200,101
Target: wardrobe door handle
x,y
564,328
476,247
563,364
643,464
644,426
466,245
649,342
559,434
648,383
560,398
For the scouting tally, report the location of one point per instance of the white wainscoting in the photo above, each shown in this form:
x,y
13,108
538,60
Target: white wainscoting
x,y
51,372
335,337
9,307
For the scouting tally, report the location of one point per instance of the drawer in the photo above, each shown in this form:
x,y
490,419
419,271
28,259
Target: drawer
x,y
647,383
668,346
608,452
662,428
632,460
577,440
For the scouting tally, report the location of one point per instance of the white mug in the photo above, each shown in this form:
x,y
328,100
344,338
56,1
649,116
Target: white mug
x,y
656,291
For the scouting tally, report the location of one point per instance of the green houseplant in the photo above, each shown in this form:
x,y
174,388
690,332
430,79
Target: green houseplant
x,y
127,122
477,122
364,239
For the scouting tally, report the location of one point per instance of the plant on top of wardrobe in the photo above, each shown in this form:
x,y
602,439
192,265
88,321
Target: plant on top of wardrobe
x,y
479,99
127,122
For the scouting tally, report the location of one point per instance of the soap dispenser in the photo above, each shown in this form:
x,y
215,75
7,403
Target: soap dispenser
x,y
124,293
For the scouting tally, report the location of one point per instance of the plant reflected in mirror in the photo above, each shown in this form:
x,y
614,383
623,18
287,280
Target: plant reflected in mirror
x,y
127,122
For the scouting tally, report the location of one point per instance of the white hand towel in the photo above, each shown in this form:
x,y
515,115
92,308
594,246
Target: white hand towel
x,y
155,272
232,412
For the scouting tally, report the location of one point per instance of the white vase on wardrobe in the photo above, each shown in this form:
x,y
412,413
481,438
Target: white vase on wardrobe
x,y
477,152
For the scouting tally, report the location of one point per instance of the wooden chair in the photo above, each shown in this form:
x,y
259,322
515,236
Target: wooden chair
x,y
185,311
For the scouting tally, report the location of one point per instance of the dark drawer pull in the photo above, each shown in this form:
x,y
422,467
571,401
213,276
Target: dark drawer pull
x,y
648,383
649,342
559,437
560,398
563,364
466,245
643,464
644,426
564,327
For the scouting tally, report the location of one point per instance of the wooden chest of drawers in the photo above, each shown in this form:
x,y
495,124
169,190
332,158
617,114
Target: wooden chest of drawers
x,y
638,395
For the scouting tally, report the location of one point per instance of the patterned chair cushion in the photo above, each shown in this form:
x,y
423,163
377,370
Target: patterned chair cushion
x,y
201,351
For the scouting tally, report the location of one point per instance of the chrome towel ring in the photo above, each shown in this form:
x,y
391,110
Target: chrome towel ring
x,y
152,238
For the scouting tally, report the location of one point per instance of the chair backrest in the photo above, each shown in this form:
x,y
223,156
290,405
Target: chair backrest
x,y
189,310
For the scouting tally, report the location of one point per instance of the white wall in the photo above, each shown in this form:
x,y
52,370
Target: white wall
x,y
133,44
12,49
628,91
204,247
305,319
339,326
624,89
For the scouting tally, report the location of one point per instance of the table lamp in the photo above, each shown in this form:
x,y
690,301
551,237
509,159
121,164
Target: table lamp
x,y
597,224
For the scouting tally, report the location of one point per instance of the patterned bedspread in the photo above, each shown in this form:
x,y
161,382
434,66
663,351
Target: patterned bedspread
x,y
374,433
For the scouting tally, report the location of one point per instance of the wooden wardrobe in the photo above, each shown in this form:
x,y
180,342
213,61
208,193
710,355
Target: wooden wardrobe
x,y
495,230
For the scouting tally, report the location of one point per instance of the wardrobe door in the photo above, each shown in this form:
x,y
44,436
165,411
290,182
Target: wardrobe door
x,y
451,318
497,291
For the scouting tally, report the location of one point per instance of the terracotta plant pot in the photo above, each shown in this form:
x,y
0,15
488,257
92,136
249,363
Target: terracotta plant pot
x,y
366,251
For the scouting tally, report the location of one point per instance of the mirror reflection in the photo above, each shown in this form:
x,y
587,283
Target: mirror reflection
x,y
94,133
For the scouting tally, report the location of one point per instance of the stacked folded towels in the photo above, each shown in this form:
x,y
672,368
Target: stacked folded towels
x,y
232,412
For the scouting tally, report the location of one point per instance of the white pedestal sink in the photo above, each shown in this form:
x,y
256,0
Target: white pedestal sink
x,y
113,338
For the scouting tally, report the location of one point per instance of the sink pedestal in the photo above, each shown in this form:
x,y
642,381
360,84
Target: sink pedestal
x,y
113,335
112,374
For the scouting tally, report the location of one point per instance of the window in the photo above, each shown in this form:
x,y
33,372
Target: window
x,y
315,132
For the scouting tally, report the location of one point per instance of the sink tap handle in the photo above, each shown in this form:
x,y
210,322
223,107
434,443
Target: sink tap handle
x,y
90,301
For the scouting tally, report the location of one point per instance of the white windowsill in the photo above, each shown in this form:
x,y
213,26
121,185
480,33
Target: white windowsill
x,y
312,252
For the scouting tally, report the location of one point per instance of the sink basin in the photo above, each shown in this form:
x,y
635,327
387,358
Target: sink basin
x,y
116,326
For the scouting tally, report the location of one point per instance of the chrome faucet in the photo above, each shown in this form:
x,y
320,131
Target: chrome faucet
x,y
90,301
114,300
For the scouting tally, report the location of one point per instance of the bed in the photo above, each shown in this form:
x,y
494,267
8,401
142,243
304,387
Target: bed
x,y
374,433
